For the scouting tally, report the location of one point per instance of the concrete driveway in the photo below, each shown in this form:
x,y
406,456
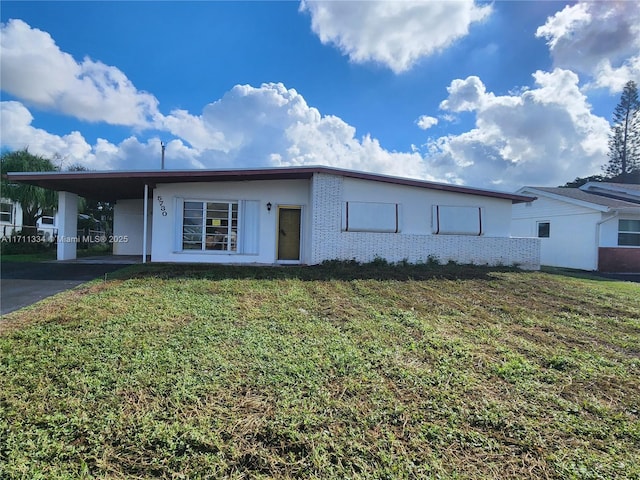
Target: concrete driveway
x,y
23,284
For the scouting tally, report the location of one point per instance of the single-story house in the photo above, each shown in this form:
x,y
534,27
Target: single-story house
x,y
593,227
286,215
11,220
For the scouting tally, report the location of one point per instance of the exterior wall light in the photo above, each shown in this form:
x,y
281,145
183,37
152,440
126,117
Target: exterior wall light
x,y
269,207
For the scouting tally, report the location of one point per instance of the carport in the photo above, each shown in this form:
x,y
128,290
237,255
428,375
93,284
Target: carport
x,y
101,186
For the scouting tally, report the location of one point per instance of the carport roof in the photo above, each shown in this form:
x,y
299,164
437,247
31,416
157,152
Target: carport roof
x,y
117,185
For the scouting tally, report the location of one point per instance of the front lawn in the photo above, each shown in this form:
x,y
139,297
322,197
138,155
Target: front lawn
x,y
337,371
50,254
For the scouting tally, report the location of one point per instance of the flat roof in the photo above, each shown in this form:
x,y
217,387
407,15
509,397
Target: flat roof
x,y
118,185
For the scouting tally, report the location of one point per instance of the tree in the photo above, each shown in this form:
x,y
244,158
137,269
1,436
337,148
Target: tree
x,y
624,140
579,181
35,201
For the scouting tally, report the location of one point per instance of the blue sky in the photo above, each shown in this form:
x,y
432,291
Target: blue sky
x,y
495,95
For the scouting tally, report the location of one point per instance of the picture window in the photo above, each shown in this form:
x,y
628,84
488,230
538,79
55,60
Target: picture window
x,y
210,226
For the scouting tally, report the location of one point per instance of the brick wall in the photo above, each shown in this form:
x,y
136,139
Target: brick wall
x,y
619,260
330,243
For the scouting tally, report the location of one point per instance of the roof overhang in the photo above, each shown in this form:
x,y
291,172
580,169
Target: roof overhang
x,y
627,210
120,185
626,193
632,205
563,198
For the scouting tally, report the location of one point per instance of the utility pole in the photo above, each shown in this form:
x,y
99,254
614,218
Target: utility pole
x,y
163,148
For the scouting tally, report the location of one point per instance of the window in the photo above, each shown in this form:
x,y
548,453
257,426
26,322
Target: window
x,y
454,220
629,233
544,229
47,217
370,217
210,226
6,212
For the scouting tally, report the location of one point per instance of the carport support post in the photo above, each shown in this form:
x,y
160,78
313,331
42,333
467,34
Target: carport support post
x,y
67,225
144,223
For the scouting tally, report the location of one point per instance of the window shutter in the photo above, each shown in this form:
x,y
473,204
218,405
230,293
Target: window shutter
x,y
454,220
249,227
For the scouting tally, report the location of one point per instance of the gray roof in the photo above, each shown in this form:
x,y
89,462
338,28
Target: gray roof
x,y
617,190
620,186
581,195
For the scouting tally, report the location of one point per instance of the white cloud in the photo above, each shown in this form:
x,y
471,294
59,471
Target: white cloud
x,y
35,70
546,135
18,133
465,95
194,130
425,122
273,125
615,78
394,33
601,39
66,150
249,126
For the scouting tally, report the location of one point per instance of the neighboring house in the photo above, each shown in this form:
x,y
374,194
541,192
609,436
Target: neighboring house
x,y
286,215
594,227
11,220
46,225
7,215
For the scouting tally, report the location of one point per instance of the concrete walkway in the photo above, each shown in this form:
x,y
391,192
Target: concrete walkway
x,y
23,283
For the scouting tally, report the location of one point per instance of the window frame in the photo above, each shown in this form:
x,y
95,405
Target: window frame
x,y
230,244
441,215
366,220
539,224
629,232
10,212
47,219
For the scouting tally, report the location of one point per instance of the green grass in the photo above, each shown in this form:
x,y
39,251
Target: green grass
x,y
337,371
29,257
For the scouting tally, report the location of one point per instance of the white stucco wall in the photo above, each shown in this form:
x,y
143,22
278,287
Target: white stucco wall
x,y
415,242
322,200
128,230
572,241
166,242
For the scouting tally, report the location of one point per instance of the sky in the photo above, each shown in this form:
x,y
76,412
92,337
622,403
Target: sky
x,y
493,95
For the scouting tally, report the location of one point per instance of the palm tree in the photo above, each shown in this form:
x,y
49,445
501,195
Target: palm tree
x,y
35,201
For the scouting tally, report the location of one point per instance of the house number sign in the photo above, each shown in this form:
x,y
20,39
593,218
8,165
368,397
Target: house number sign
x,y
163,207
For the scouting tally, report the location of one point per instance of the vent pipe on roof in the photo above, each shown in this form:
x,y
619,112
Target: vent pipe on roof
x,y
163,146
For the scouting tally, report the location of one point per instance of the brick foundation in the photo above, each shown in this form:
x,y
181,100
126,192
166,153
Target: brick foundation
x,y
619,259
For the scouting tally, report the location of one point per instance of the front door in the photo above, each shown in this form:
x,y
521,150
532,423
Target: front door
x,y
289,233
